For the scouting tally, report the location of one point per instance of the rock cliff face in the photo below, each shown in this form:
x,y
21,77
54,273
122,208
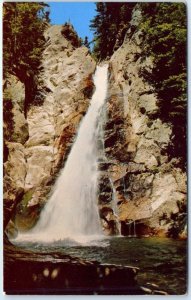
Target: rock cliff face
x,y
148,188
38,145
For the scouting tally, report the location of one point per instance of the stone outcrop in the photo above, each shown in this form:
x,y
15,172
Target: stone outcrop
x,y
149,187
38,145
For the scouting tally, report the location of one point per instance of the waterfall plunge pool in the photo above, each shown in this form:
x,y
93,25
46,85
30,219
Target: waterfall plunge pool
x,y
162,261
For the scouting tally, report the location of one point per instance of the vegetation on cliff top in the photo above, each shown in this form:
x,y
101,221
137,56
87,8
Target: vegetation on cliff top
x,y
110,25
164,30
163,27
23,42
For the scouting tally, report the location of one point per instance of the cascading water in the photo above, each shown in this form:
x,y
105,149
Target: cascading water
x,y
114,207
131,228
72,210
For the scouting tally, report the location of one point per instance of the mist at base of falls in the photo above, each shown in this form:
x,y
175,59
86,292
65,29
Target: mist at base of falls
x,y
72,210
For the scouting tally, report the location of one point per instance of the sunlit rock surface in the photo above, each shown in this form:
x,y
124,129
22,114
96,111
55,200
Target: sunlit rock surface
x,y
150,187
41,142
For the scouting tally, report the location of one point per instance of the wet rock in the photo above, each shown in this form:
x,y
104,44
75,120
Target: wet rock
x,y
156,292
12,197
105,190
110,140
52,273
104,197
104,166
183,233
104,184
14,179
11,230
150,289
142,229
146,290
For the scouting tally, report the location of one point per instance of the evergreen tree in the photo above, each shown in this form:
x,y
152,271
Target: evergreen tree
x,y
86,42
108,25
164,40
23,41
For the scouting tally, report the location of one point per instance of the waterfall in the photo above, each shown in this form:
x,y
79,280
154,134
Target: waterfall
x,y
115,208
72,210
131,228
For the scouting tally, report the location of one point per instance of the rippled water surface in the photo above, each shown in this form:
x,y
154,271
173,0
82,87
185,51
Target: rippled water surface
x,y
161,261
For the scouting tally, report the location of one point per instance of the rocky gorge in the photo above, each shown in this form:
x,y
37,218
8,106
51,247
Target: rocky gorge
x,y
140,186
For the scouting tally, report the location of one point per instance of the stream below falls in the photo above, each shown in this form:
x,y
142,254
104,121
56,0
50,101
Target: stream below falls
x,y
162,261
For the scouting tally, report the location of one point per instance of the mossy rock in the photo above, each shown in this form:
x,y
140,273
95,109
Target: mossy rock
x,y
26,198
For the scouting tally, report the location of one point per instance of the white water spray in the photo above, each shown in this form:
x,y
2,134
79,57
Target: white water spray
x,y
72,210
115,208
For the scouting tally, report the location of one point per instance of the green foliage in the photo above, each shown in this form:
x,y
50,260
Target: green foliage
x,y
69,33
86,42
108,26
26,198
8,125
23,41
164,39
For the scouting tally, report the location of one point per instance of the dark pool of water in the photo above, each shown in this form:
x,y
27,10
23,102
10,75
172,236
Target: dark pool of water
x,y
161,261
